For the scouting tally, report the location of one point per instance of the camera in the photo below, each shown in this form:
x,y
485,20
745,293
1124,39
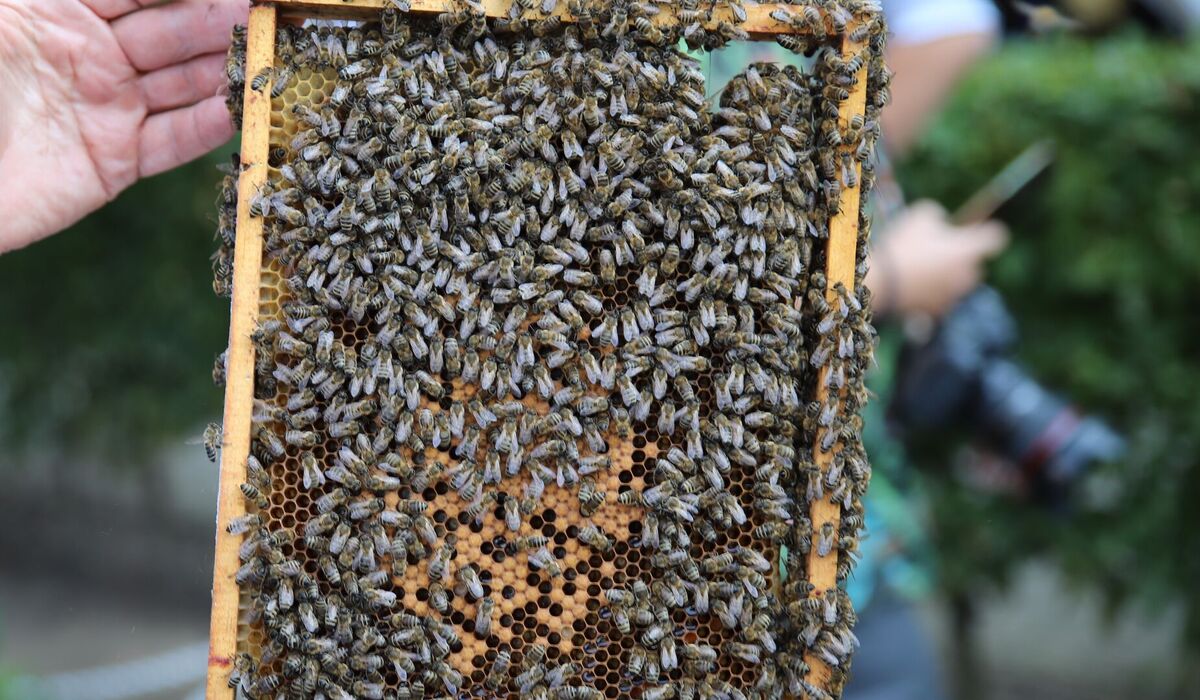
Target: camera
x,y
964,378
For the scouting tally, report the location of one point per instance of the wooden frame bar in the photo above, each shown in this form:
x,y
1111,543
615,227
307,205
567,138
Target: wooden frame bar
x,y
841,257
239,383
759,23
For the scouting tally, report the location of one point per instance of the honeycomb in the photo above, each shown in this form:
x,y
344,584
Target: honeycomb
x,y
530,608
557,612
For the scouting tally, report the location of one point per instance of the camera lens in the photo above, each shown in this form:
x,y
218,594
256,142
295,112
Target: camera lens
x,y
964,378
1037,428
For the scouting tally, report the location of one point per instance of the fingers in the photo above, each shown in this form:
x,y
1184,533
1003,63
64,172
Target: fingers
x,y
170,139
986,240
927,208
110,9
168,34
921,225
184,83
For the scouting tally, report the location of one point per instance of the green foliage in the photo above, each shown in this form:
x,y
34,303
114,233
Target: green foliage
x,y
110,328
6,687
1102,275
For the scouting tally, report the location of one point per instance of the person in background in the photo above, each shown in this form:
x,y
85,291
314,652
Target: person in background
x,y
921,264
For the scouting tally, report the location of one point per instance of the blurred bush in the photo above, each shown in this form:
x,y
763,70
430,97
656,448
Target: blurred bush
x,y
110,328
1102,274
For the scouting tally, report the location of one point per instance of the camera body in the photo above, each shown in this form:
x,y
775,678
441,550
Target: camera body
x,y
964,378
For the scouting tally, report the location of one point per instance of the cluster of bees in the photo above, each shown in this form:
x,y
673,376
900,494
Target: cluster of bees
x,y
550,243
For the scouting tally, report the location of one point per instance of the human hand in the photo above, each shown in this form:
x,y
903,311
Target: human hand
x,y
925,264
98,93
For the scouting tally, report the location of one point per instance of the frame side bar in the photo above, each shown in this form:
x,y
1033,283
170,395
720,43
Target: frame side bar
x,y
840,262
239,387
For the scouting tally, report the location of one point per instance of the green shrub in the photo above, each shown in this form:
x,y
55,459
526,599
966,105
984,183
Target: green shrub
x,y
110,328
1103,274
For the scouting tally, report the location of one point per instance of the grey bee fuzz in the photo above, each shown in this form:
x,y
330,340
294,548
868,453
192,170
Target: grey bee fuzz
x,y
550,374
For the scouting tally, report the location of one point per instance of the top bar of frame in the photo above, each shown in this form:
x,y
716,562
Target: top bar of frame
x,y
759,23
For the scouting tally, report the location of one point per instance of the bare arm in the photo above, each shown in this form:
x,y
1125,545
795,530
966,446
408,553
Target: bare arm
x,y
925,263
925,74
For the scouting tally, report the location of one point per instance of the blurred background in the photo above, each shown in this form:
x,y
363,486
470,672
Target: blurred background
x,y
1083,585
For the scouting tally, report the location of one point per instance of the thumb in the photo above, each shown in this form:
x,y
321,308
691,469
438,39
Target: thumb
x,y
986,240
927,208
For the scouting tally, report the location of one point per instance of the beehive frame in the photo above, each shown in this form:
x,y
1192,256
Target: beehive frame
x,y
841,257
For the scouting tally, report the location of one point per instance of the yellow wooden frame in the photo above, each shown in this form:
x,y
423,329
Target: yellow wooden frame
x,y
841,258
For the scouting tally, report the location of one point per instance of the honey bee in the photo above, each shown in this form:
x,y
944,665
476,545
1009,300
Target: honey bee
x,y
825,542
252,520
483,622
439,565
544,560
213,441
259,83
469,578
593,537
512,514
254,496
266,684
